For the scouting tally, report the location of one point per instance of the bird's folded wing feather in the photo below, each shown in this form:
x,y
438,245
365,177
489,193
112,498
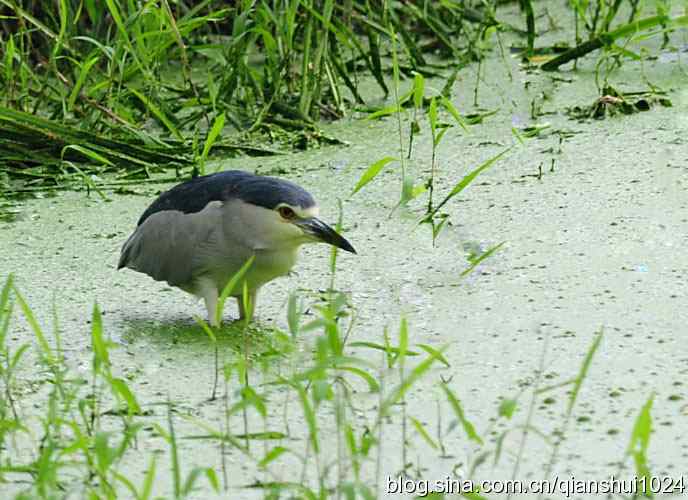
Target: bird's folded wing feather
x,y
165,244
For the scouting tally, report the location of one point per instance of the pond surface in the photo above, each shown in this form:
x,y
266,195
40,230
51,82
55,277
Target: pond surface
x,y
597,243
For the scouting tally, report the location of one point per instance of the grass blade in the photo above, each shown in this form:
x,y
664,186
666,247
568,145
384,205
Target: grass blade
x,y
87,153
481,258
583,371
121,388
158,113
399,391
460,415
371,172
35,327
218,125
420,428
81,79
101,356
447,104
463,184
229,287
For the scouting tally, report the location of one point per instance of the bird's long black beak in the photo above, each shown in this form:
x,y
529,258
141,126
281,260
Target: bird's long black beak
x,y
321,231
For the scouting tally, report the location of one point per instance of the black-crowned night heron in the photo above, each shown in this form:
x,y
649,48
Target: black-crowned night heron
x,y
197,235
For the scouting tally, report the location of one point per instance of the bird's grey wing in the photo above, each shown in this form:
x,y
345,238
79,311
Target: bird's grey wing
x,y
165,245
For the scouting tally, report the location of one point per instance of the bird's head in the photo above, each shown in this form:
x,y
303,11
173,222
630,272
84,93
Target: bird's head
x,y
281,214
311,229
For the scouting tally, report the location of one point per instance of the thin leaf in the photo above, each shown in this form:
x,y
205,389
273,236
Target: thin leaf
x,y
389,349
174,456
371,172
309,414
157,112
204,326
434,352
432,118
584,371
399,391
481,258
386,111
454,112
373,385
418,90
423,433
100,352
294,313
217,127
122,389
88,153
230,286
642,428
212,479
403,338
460,415
271,455
507,408
463,184
5,308
83,74
148,480
35,327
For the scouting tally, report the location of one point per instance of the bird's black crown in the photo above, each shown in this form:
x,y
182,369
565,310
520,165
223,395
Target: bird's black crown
x,y
195,194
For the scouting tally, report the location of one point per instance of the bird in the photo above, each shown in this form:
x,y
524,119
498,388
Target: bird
x,y
197,235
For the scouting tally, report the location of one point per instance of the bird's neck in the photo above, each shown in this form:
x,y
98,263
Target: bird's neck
x,y
270,264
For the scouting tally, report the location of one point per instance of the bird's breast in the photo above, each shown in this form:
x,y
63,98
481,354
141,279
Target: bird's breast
x,y
270,264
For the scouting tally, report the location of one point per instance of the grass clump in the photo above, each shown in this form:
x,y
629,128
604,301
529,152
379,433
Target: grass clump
x,y
94,422
165,78
94,88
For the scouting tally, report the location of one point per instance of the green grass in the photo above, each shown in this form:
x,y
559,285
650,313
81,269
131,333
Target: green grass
x,y
94,420
166,77
129,88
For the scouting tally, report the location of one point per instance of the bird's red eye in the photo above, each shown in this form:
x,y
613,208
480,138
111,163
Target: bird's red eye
x,y
286,213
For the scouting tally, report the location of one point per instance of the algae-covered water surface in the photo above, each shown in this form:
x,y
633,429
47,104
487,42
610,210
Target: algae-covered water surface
x,y
513,323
